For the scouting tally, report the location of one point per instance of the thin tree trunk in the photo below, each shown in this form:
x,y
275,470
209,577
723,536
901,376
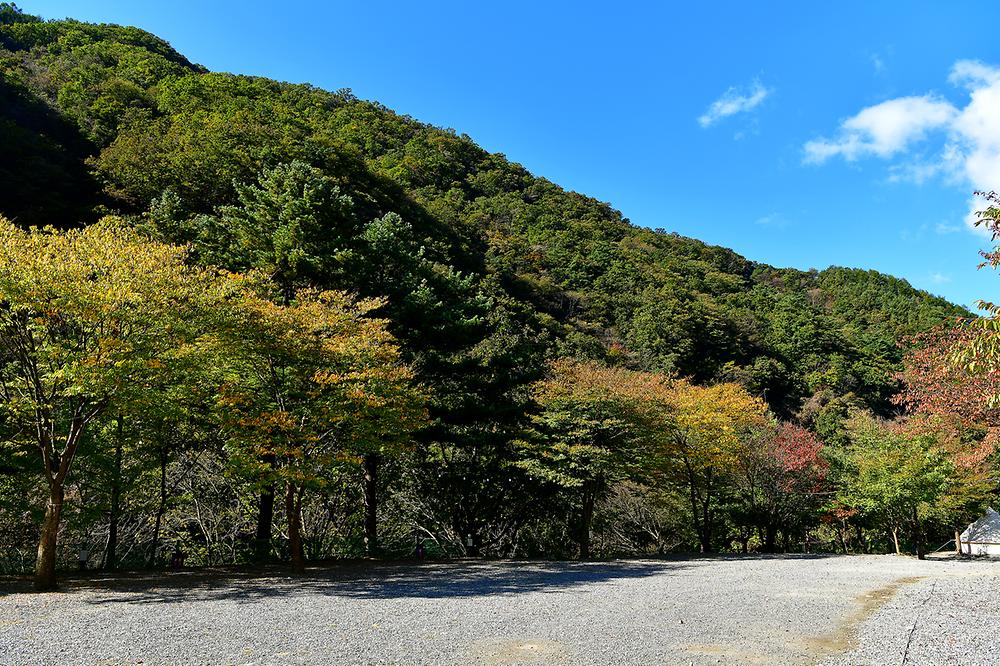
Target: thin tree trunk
x,y
918,536
161,507
586,519
45,564
841,536
700,526
706,515
265,522
293,509
111,552
371,463
770,537
895,538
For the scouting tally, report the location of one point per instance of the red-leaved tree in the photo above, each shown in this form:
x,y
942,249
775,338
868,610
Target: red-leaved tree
x,y
781,475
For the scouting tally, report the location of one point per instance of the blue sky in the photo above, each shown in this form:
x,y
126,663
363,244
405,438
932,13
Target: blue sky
x,y
799,134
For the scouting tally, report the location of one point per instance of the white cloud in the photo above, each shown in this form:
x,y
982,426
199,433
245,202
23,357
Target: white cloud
x,y
972,74
883,130
968,146
774,220
733,101
940,278
946,228
918,172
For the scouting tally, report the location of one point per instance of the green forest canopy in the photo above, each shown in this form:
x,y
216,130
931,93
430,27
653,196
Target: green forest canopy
x,y
487,271
114,118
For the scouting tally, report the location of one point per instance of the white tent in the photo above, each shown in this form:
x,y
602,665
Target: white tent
x,y
983,536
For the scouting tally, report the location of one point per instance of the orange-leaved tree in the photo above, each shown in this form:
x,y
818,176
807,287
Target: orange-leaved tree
x,y
781,475
317,384
953,405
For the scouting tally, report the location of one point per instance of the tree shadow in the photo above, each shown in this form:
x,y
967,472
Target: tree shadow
x,y
43,174
365,581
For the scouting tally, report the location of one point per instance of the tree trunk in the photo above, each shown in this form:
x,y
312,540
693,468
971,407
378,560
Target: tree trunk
x,y
45,564
918,536
586,519
706,515
895,538
770,537
842,536
371,463
698,525
111,552
698,506
160,509
293,510
265,520
861,539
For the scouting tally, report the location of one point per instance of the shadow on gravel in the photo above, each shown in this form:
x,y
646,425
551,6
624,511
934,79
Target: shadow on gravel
x,y
368,581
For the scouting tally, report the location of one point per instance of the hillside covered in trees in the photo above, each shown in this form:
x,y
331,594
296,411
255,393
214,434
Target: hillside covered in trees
x,y
484,275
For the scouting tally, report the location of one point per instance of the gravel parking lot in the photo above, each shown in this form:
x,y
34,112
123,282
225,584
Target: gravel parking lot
x,y
769,610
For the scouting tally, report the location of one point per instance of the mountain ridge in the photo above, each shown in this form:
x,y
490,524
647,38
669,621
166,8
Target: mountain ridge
x,y
115,119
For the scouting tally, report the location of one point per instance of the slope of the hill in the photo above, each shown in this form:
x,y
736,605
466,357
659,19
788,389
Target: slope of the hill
x,y
99,118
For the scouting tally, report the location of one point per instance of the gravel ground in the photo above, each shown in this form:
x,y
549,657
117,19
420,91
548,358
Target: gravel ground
x,y
772,610
946,618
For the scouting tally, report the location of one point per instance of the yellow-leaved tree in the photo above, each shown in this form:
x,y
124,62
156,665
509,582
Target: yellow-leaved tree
x,y
91,320
102,321
709,423
315,386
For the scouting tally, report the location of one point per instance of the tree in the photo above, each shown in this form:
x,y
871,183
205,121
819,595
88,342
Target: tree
x,y
318,384
89,320
436,313
781,470
934,384
953,404
895,477
294,224
980,353
596,426
701,453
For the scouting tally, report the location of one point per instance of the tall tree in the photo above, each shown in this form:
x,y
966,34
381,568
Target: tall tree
x,y
319,384
596,426
780,473
294,224
88,320
701,453
896,477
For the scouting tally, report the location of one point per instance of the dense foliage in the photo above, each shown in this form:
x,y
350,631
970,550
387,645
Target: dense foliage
x,y
689,410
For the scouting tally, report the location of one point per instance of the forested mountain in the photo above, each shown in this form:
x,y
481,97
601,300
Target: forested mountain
x,y
488,271
114,115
